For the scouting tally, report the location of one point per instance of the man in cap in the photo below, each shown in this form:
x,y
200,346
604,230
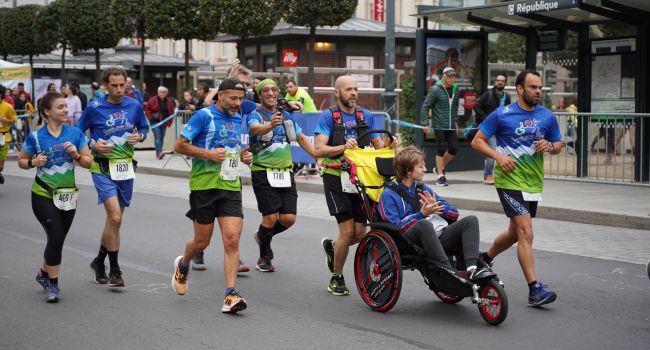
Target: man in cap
x,y
212,138
442,100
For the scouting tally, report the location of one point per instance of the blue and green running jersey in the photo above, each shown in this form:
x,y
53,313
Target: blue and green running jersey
x,y
515,130
326,125
114,123
278,154
58,172
211,128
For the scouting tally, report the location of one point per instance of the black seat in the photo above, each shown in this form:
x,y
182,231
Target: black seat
x,y
385,167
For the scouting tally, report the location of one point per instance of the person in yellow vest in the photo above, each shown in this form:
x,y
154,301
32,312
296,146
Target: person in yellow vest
x,y
7,117
295,93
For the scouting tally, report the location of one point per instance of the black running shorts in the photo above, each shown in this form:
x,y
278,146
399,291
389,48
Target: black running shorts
x,y
272,200
514,204
343,206
206,205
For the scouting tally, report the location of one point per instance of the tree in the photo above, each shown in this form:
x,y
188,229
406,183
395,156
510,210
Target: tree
x,y
51,21
247,18
89,26
508,47
178,20
129,21
3,51
317,13
23,34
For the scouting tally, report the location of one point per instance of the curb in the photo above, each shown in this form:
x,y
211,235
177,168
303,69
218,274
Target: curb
x,y
543,212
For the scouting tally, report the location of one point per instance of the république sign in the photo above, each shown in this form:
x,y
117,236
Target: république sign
x,y
534,6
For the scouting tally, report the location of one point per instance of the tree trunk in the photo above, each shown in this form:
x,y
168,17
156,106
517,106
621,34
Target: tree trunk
x,y
187,65
31,72
310,73
98,70
142,51
64,79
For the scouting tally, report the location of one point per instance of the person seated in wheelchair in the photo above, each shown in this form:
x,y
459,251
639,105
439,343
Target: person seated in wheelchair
x,y
425,218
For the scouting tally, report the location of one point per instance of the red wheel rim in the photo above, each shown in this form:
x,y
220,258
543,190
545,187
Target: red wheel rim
x,y
493,310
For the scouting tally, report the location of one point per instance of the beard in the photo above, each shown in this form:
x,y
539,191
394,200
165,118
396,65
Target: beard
x,y
499,88
530,100
347,103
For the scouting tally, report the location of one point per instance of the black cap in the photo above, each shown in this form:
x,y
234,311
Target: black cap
x,y
231,84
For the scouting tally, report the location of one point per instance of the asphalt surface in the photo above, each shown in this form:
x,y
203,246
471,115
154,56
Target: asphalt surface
x,y
602,304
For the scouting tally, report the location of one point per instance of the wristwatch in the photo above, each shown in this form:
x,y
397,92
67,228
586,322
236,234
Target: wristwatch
x,y
29,163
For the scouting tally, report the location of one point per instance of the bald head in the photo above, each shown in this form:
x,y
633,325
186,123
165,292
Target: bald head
x,y
343,80
346,91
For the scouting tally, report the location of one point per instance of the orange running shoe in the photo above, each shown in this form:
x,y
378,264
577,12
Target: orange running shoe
x,y
179,280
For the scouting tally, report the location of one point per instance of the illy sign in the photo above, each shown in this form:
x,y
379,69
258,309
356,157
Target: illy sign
x,y
533,6
289,58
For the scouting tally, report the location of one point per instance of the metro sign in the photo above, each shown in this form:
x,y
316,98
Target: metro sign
x,y
289,58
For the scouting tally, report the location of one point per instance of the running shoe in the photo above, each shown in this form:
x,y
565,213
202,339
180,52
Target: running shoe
x,y
243,267
337,285
233,303
264,264
115,278
540,295
269,253
328,247
179,280
442,181
197,263
2,179
53,292
42,280
99,270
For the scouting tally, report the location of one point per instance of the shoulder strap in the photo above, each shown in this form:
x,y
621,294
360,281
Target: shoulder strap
x,y
336,114
413,201
260,111
358,112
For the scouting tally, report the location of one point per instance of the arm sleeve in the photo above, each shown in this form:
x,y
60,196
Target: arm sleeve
x,y
553,133
29,146
193,126
253,119
248,106
390,211
426,105
142,123
324,123
82,141
448,211
490,124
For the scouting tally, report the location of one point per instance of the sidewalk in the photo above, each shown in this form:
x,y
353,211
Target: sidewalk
x,y
575,201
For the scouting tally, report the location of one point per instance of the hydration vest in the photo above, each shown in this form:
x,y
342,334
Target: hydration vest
x,y
337,138
256,147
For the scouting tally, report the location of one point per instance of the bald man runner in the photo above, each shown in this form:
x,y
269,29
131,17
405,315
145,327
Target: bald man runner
x,y
338,129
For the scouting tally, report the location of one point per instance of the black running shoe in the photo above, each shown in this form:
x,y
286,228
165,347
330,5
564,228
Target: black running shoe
x,y
268,253
337,285
2,179
43,280
99,269
264,264
115,278
328,247
197,263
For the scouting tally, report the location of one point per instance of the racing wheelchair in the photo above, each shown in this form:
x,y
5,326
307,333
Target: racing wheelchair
x,y
384,253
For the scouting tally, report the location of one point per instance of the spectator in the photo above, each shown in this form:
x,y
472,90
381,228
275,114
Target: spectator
x,y
73,102
244,76
256,81
485,105
132,91
158,108
6,96
145,94
19,104
295,93
188,103
97,92
76,89
21,89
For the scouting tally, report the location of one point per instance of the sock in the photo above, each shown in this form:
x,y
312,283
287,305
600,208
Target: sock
x,y
265,235
532,284
228,290
112,258
182,266
278,228
54,281
486,258
44,273
102,253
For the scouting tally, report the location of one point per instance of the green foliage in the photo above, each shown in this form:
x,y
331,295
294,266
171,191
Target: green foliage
x,y
508,47
128,17
315,13
3,12
24,34
178,20
247,18
87,26
51,20
407,108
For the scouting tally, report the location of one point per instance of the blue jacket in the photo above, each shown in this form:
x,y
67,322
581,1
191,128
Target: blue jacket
x,y
394,209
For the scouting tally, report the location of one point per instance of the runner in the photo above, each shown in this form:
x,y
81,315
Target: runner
x,y
8,116
212,139
53,150
116,123
524,131
272,130
338,129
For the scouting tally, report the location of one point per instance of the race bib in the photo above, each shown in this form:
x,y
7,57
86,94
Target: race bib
x,y
65,198
121,169
278,178
230,167
532,197
346,184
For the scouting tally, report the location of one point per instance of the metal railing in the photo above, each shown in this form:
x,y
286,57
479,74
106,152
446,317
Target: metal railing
x,y
600,147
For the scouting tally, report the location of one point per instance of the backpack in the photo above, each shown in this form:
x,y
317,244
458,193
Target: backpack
x,y
337,138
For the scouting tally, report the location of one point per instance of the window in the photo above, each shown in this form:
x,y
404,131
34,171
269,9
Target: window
x,y
223,53
206,50
403,50
323,46
251,50
268,48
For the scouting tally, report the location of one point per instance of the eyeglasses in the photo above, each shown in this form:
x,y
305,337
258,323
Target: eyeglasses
x,y
501,80
269,89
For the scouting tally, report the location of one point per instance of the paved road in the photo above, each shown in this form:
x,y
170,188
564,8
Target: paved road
x,y
602,304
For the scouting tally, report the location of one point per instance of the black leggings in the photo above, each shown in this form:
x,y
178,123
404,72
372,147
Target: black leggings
x,y
56,224
464,232
446,141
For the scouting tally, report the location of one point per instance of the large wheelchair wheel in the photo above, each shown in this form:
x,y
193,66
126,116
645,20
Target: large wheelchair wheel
x,y
378,271
493,305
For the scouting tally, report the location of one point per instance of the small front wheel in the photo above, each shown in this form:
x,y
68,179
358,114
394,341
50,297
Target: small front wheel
x,y
493,303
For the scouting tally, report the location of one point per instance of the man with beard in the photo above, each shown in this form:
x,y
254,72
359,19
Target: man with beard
x,y
338,129
486,104
524,131
212,137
